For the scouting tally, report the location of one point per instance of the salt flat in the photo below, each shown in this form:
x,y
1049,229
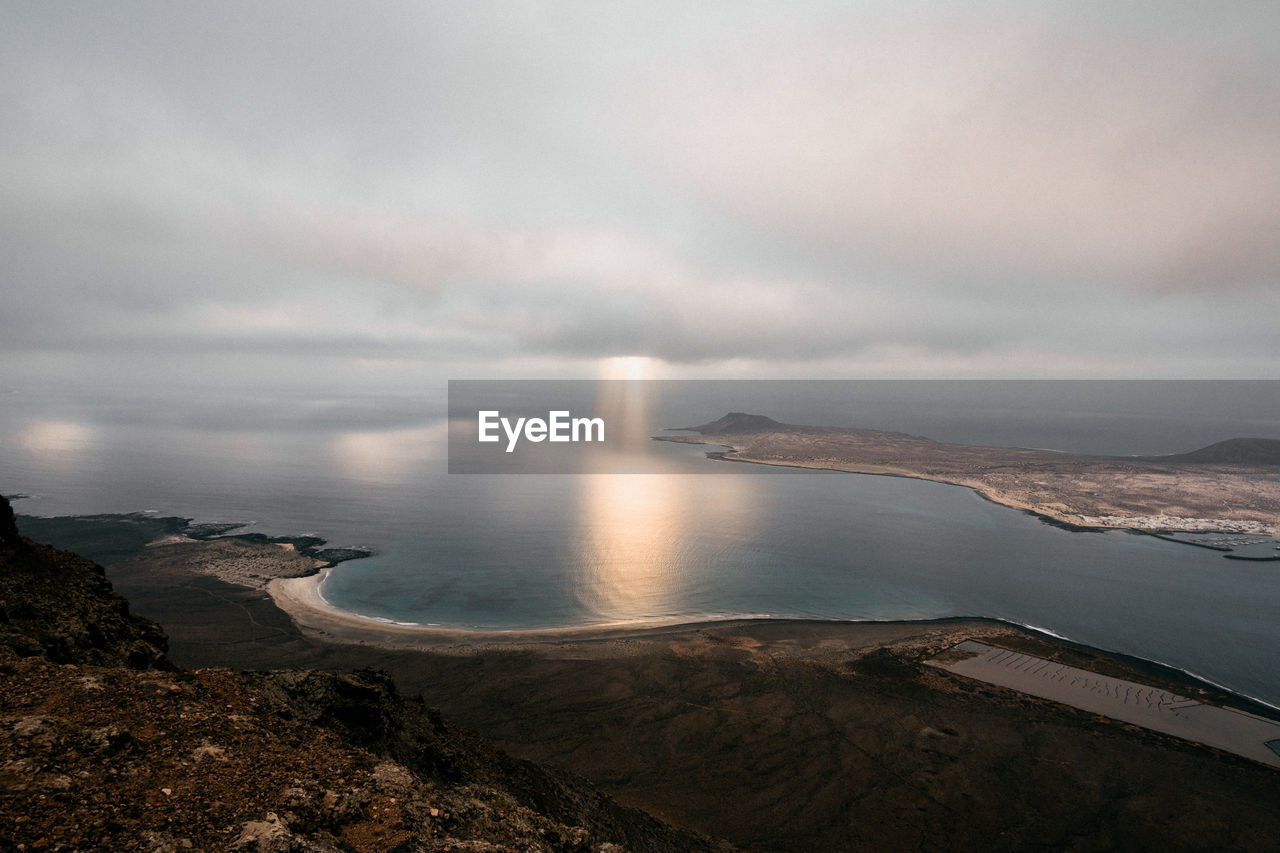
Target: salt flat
x,y
1225,728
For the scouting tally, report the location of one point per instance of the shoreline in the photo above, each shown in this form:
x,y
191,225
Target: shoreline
x,y
292,581
776,734
301,599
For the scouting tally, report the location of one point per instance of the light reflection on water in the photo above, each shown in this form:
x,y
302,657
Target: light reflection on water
x,y
632,524
630,544
387,457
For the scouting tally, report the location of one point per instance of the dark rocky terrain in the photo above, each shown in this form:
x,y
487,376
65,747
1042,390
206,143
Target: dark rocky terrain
x,y
61,607
106,745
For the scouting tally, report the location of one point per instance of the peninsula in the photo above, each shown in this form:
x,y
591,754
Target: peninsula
x,y
1229,487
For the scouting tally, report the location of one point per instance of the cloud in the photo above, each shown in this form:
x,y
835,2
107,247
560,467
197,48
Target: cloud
x,y
1009,150
354,285
802,188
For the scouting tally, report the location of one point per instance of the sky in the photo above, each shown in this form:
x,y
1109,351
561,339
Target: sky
x,y
355,196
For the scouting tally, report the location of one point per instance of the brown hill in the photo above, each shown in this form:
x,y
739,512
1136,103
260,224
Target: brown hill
x,y
1233,451
739,423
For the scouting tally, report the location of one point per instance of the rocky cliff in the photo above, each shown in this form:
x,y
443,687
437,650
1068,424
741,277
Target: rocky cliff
x,y
104,745
61,607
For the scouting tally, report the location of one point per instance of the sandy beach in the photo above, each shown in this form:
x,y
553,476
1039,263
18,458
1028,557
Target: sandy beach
x,y
302,600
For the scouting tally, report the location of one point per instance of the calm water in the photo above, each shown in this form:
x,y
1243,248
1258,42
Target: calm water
x,y
549,550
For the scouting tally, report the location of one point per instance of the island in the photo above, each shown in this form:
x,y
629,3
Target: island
x,y
1229,487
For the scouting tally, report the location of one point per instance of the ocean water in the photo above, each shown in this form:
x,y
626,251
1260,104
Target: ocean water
x,y
545,550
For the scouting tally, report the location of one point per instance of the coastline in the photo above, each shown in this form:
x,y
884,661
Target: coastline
x,y
733,454
1160,525
774,733
287,573
302,600
680,719
904,644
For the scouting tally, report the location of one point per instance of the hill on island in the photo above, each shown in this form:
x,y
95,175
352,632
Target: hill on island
x,y
1233,451
107,745
739,423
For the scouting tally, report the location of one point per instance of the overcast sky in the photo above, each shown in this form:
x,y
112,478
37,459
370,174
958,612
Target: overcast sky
x,y
382,194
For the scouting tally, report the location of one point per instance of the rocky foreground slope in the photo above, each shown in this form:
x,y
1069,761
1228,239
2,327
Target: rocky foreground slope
x,y
105,745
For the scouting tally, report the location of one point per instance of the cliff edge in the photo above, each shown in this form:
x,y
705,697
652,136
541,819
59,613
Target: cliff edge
x,y
60,606
105,745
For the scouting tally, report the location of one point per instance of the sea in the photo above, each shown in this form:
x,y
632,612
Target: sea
x,y
696,538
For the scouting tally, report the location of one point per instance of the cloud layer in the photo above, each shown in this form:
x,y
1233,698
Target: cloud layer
x,y
320,194
1008,149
